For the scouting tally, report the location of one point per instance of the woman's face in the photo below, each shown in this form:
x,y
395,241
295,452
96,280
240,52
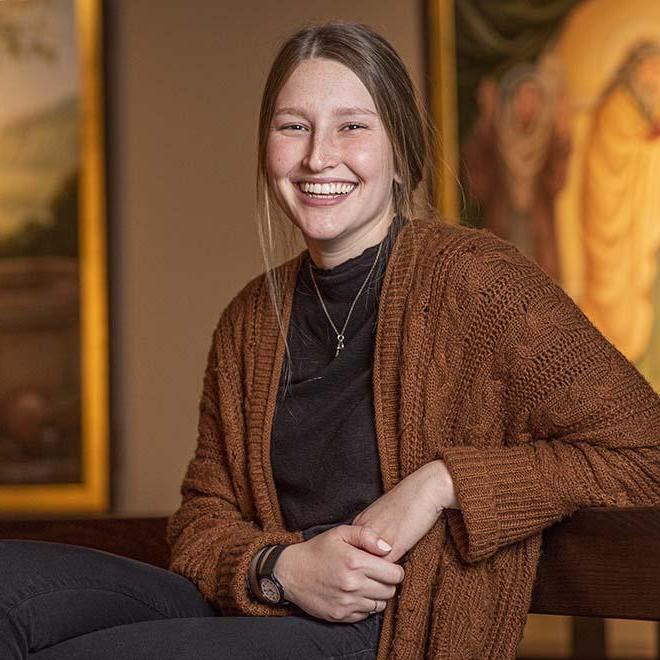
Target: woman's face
x,y
330,162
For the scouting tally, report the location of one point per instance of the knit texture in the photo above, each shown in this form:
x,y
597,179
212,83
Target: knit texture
x,y
480,360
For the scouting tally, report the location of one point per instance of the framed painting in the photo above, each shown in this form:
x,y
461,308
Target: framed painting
x,y
54,448
549,116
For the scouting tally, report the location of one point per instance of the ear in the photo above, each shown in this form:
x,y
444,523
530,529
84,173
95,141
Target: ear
x,y
397,178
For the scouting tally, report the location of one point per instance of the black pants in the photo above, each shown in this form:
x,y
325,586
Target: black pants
x,y
65,602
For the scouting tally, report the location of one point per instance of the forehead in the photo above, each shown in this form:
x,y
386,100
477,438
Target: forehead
x,y
322,83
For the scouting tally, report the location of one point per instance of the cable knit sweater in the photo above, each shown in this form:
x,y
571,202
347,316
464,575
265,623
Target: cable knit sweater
x,y
481,361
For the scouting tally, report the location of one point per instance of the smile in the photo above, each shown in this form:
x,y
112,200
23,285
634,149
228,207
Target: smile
x,y
326,190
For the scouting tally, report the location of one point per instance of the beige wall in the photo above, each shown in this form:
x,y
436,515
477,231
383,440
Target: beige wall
x,y
184,83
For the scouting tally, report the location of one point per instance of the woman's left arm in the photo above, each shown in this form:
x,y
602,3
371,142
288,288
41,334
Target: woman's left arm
x,y
583,424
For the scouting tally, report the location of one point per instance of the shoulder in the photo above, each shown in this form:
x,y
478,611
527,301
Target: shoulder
x,y
246,308
244,300
483,280
441,234
498,293
475,255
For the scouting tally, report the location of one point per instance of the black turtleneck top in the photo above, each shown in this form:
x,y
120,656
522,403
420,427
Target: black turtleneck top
x,y
323,445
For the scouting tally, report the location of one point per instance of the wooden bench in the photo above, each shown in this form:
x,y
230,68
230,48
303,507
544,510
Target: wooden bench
x,y
600,562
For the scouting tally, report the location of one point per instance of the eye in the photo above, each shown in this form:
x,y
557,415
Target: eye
x,y
292,127
353,127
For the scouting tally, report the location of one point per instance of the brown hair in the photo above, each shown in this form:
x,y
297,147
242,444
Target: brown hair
x,y
398,103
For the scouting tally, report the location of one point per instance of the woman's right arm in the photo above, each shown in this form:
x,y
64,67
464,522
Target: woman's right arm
x,y
211,543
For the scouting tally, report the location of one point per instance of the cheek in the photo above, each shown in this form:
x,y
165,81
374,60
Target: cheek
x,y
281,156
371,161
273,158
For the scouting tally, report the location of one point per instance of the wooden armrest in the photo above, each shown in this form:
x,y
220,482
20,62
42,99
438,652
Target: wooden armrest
x,y
601,561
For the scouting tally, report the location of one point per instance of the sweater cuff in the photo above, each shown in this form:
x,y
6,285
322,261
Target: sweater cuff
x,y
501,495
233,597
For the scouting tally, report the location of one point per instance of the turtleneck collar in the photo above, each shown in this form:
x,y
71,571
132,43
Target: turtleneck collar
x,y
342,282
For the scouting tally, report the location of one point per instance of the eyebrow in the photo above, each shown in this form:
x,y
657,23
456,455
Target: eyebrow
x,y
339,112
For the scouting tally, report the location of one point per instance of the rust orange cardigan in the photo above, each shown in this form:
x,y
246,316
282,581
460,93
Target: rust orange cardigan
x,y
481,361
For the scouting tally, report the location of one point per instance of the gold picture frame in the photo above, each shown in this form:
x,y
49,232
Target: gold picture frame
x,y
82,485
442,103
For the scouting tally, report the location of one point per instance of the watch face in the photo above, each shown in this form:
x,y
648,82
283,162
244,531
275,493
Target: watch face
x,y
269,590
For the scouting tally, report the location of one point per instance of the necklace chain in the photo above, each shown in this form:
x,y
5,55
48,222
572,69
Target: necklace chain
x,y
340,335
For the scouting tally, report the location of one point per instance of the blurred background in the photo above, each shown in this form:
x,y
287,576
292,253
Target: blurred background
x,y
175,87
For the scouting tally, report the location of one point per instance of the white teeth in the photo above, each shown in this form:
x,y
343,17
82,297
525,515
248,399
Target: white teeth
x,y
334,188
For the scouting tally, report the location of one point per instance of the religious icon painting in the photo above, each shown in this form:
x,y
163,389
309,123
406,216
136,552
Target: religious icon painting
x,y
53,299
549,116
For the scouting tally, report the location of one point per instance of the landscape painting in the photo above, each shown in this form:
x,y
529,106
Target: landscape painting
x,y
53,355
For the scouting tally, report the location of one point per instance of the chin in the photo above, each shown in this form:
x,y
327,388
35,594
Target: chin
x,y
320,236
320,229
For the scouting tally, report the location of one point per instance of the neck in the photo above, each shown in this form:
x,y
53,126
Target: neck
x,y
331,253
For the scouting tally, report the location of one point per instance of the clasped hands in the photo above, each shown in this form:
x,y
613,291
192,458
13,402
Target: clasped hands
x,y
343,574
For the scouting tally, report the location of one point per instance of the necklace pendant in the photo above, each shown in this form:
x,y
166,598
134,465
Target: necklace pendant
x,y
340,344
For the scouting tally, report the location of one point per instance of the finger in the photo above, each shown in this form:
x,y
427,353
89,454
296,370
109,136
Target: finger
x,y
383,571
355,617
365,538
377,590
371,606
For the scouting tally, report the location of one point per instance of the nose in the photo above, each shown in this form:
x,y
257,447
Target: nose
x,y
322,152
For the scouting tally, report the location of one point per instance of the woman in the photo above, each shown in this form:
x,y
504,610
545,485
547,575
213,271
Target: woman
x,y
401,380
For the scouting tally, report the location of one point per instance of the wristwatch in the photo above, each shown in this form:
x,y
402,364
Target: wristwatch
x,y
270,588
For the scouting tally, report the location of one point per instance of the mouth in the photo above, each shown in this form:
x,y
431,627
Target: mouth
x,y
330,190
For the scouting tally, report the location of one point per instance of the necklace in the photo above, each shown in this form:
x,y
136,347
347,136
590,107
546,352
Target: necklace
x,y
340,335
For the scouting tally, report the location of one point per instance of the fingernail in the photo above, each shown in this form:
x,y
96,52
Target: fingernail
x,y
383,545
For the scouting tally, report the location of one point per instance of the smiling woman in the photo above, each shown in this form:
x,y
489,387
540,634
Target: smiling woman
x,y
382,492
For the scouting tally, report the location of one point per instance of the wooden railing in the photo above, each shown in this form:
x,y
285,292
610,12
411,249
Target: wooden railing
x,y
600,562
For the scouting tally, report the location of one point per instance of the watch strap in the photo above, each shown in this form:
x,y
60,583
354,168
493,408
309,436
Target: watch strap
x,y
268,561
266,566
253,573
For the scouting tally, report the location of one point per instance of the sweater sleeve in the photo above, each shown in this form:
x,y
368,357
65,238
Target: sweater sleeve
x,y
211,542
582,425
